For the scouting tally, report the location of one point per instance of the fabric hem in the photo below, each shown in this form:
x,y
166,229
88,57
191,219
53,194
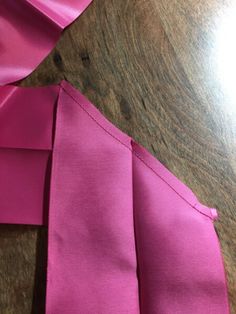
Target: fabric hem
x,y
140,152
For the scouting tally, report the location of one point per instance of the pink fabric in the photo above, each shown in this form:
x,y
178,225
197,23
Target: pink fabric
x,y
125,235
29,30
26,139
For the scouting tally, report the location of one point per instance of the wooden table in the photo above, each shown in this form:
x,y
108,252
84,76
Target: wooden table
x,y
163,72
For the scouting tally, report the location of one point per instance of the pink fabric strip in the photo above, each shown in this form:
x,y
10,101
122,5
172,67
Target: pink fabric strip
x,y
26,141
125,235
29,30
91,253
178,252
120,220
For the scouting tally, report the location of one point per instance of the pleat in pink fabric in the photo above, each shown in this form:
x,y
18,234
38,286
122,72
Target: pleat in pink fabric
x,y
125,235
29,30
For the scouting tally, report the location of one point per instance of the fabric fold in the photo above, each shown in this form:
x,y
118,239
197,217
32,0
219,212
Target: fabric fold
x,y
29,31
180,264
26,143
60,12
91,244
124,234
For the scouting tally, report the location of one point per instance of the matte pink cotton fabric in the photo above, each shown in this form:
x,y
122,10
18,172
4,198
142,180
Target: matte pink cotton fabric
x,y
29,30
125,235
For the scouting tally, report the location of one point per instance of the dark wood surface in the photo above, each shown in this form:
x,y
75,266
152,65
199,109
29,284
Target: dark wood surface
x,y
161,71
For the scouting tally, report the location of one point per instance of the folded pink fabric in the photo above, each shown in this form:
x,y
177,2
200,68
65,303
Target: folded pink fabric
x,y
125,235
29,30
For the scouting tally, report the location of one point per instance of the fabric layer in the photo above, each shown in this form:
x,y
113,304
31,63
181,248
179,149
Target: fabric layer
x,y
91,254
178,252
125,235
29,31
26,143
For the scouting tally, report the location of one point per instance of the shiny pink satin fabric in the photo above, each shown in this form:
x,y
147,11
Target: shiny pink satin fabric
x,y
29,29
125,235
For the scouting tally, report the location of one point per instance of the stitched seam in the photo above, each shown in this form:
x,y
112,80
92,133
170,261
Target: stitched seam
x,y
198,210
180,195
135,153
91,116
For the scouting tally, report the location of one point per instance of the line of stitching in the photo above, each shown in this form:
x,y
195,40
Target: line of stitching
x,y
135,154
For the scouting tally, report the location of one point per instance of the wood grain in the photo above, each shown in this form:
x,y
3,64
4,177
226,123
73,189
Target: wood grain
x,y
150,67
